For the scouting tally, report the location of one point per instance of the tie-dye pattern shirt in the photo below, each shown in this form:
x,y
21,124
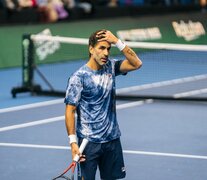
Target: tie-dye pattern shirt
x,y
93,93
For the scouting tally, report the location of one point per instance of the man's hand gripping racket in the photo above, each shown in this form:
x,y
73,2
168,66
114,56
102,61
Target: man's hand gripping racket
x,y
73,164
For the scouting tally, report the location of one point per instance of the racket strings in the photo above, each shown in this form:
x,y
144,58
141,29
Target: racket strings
x,y
62,176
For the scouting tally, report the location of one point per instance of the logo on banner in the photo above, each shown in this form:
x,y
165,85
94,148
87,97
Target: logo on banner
x,y
45,47
152,33
189,31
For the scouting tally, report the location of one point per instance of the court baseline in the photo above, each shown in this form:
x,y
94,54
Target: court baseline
x,y
133,152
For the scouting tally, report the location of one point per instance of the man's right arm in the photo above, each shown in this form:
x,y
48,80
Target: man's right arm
x,y
70,119
70,126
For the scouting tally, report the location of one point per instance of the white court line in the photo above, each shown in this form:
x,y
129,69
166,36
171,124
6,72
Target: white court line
x,y
165,154
133,104
146,153
35,123
60,118
162,83
122,90
34,146
190,93
39,104
33,105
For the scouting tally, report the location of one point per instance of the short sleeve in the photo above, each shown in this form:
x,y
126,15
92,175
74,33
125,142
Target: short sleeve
x,y
117,68
73,91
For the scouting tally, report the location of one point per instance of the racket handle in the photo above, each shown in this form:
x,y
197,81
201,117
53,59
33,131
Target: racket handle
x,y
81,148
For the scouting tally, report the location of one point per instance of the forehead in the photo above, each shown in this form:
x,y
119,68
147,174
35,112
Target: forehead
x,y
103,44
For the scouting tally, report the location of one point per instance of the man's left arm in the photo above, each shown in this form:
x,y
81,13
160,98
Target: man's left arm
x,y
132,61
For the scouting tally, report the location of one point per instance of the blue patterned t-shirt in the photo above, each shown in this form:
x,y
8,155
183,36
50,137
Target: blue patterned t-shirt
x,y
93,93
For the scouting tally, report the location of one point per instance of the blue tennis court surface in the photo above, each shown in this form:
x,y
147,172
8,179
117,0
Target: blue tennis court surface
x,y
162,140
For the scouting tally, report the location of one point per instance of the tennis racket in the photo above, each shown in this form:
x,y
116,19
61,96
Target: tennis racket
x,y
72,166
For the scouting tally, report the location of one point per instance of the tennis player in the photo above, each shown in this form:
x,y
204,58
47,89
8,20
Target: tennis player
x,y
91,95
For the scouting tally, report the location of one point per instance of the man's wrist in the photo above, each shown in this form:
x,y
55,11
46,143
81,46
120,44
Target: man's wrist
x,y
120,45
72,138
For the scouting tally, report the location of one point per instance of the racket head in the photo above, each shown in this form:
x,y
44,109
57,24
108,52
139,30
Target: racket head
x,y
63,175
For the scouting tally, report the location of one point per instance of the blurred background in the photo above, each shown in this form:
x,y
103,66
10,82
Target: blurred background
x,y
41,11
176,22
79,18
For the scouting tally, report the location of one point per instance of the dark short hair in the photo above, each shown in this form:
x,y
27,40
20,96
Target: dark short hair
x,y
93,40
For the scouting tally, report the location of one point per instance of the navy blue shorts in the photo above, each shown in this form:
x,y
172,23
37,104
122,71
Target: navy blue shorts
x,y
107,156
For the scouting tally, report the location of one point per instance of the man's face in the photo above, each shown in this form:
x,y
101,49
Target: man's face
x,y
100,52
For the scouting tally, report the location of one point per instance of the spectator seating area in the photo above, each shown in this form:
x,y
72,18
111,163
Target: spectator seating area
x,y
48,11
